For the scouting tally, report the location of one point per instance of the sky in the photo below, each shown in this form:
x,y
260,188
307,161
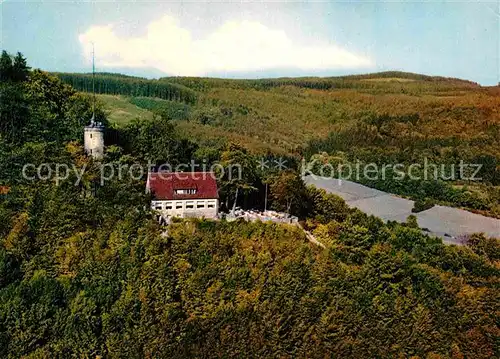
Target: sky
x,y
250,39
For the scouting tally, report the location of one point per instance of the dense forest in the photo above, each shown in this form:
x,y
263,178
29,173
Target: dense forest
x,y
104,83
86,271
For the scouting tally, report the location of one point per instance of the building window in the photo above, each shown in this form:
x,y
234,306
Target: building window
x,y
211,206
90,135
200,205
158,207
169,206
178,206
185,191
189,206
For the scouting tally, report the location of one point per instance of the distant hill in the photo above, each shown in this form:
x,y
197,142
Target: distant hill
x,y
374,75
407,76
322,83
103,79
285,114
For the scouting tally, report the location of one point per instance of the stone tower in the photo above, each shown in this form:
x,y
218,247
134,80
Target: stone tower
x,y
93,140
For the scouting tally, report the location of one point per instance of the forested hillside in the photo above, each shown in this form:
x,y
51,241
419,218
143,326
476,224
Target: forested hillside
x,y
105,83
383,118
404,112
86,271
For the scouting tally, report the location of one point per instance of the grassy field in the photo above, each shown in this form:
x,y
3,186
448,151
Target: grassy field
x,y
120,111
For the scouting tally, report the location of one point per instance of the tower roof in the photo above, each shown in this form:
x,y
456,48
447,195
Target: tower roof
x,y
95,125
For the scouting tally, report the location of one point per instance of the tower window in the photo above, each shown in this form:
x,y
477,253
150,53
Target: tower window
x,y
90,135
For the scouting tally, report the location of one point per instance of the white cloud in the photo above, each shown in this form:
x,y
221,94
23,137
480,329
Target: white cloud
x,y
233,47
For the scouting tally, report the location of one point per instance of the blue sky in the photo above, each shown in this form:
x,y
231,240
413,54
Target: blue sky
x,y
258,39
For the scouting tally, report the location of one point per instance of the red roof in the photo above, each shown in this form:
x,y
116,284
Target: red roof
x,y
163,185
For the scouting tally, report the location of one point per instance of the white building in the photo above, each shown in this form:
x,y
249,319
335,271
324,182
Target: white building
x,y
183,194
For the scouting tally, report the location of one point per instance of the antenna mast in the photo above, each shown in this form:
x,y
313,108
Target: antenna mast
x,y
93,85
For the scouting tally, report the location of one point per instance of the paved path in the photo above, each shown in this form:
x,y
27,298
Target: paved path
x,y
445,222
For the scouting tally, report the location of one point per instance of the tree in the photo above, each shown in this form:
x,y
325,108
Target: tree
x,y
14,112
20,68
411,221
422,205
152,140
239,175
288,192
6,68
13,69
79,111
13,105
325,207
